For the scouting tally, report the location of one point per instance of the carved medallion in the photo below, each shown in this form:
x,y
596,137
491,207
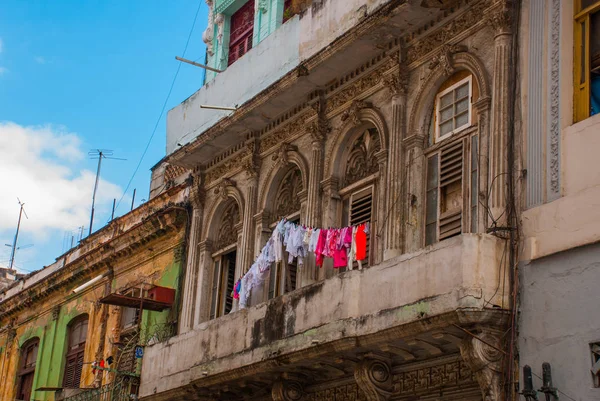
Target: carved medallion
x,y
362,160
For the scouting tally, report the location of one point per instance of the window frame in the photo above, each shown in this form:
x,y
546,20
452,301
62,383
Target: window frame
x,y
470,204
245,39
219,293
582,60
75,352
347,194
438,97
25,371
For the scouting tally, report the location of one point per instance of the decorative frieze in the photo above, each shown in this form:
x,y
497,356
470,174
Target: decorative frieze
x,y
235,162
462,22
282,134
433,377
348,392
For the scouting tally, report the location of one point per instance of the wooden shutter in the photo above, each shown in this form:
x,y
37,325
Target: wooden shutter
x,y
361,211
75,353
431,212
229,280
291,274
242,28
215,290
451,172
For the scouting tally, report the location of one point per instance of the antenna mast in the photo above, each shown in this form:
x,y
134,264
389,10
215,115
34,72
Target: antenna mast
x,y
14,246
101,154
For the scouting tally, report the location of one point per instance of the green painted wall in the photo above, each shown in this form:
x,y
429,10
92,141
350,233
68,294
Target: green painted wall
x,y
268,17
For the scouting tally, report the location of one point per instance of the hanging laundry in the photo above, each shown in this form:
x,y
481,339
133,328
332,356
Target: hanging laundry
x,y
361,243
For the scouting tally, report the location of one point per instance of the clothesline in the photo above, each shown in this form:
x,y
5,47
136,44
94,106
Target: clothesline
x,y
344,245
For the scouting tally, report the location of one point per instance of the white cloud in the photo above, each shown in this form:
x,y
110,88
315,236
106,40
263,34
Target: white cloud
x,y
37,164
40,60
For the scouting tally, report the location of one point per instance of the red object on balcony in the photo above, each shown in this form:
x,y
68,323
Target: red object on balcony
x,y
162,294
242,27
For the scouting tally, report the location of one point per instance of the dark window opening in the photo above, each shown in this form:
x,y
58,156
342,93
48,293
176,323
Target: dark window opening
x,y
26,372
75,352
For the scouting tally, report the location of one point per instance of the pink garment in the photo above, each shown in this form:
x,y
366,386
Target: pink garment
x,y
347,237
330,243
320,247
340,258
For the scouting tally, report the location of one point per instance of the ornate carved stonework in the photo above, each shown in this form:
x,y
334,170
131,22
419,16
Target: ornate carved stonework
x,y
352,113
282,134
444,58
397,83
374,378
485,361
554,118
252,166
281,156
227,233
287,391
362,160
208,35
502,19
221,189
232,163
55,312
287,200
197,192
431,378
454,27
354,90
349,392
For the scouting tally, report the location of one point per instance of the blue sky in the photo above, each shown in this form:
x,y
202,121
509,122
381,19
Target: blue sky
x,y
75,76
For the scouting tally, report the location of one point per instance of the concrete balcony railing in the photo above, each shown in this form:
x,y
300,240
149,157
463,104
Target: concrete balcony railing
x,y
459,275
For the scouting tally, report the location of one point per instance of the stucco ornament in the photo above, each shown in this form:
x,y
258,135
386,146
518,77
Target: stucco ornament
x,y
263,5
287,391
221,189
282,157
208,34
220,21
485,362
352,113
374,378
444,58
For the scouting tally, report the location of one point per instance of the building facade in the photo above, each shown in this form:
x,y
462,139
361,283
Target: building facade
x,y
558,272
399,113
71,328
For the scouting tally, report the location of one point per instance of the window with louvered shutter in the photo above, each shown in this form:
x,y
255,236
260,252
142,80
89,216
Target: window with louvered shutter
x,y
77,335
223,281
358,209
26,371
451,190
241,30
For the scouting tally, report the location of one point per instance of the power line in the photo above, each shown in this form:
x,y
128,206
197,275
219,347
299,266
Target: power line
x,y
162,111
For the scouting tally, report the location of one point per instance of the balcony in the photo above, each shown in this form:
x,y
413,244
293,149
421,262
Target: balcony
x,y
406,307
307,53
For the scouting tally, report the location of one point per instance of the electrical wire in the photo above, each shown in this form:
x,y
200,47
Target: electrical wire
x,y
566,395
164,106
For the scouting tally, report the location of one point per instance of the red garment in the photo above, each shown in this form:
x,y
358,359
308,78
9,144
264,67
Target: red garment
x,y
361,243
340,258
320,248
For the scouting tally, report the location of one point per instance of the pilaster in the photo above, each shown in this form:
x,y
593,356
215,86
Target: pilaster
x,y
397,85
501,21
252,169
414,144
197,199
204,271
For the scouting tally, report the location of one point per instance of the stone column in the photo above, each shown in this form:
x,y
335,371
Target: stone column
x,y
483,109
501,21
483,356
397,84
414,193
374,378
203,282
196,198
252,168
317,131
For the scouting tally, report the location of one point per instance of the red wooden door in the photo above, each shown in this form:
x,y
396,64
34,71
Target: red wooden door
x,y
240,36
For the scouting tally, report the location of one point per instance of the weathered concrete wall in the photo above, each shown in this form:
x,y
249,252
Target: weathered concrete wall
x,y
461,272
559,295
244,79
576,213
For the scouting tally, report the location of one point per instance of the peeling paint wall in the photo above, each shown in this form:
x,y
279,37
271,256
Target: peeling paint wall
x,y
559,319
157,262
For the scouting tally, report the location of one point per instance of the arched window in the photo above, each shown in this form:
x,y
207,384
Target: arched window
x,y
26,372
282,276
223,277
452,161
76,338
359,182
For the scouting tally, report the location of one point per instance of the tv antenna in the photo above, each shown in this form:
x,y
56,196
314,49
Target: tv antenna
x,y
100,154
14,245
